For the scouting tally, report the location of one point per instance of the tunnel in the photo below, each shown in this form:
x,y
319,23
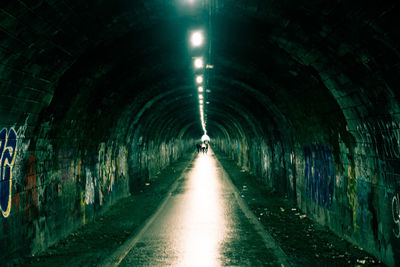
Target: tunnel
x,y
98,97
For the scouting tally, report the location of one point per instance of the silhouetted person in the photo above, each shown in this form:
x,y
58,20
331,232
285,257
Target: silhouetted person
x,y
203,148
198,146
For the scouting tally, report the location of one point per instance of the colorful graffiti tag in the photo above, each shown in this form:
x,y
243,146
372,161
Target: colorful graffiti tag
x,y
396,215
8,150
319,174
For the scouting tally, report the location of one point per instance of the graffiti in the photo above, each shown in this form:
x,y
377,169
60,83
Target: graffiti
x,y
8,149
22,130
82,202
106,168
396,215
78,170
122,162
21,149
319,174
351,193
357,192
12,151
382,137
22,146
89,188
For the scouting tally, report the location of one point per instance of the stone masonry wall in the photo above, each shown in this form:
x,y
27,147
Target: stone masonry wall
x,y
355,193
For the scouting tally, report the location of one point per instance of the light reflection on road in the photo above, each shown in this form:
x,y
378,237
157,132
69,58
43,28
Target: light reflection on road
x,y
201,223
203,217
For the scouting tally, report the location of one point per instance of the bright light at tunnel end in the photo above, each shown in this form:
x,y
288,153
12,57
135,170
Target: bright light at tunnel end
x,y
205,138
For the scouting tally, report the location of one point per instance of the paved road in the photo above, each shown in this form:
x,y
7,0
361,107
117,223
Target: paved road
x,y
203,222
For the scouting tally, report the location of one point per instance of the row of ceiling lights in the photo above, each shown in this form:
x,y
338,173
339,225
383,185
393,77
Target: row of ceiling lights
x,y
197,40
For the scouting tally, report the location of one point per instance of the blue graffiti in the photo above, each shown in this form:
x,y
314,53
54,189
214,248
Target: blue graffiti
x,y
319,174
8,150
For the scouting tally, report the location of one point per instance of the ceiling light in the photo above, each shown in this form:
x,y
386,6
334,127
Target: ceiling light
x,y
198,63
197,38
199,79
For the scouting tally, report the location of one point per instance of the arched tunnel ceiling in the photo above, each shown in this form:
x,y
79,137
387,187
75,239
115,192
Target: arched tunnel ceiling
x,y
276,63
303,93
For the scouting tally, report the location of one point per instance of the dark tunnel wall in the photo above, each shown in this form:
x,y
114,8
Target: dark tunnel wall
x,y
89,115
98,96
331,140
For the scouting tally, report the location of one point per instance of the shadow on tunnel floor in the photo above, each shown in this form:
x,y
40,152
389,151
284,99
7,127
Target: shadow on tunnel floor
x,y
305,242
95,241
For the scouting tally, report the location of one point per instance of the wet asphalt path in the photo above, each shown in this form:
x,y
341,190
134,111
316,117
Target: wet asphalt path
x,y
202,222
